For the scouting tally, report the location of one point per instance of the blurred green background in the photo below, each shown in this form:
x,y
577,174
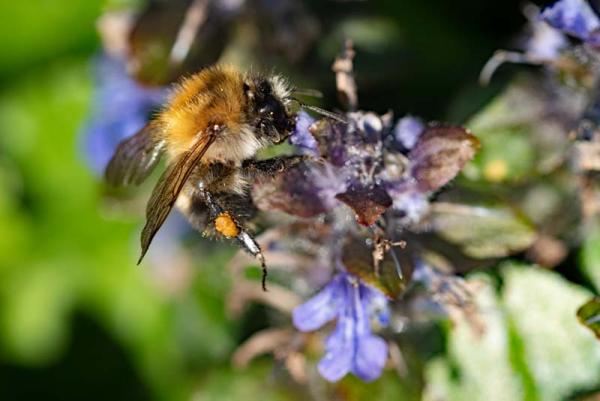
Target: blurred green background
x,y
80,321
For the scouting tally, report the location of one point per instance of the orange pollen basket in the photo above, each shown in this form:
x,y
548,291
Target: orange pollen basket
x,y
225,225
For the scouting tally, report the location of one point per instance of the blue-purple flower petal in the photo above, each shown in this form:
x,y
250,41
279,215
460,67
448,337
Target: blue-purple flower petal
x,y
370,358
321,308
121,107
545,41
350,347
339,349
376,305
302,138
574,17
408,200
408,130
370,125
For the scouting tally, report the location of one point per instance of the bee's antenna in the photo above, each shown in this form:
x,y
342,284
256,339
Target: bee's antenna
x,y
333,116
307,92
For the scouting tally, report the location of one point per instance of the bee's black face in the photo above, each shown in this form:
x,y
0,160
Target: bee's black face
x,y
272,119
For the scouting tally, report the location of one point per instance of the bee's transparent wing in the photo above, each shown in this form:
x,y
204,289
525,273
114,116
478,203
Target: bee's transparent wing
x,y
135,157
170,184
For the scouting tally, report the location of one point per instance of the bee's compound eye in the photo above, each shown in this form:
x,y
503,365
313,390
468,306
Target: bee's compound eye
x,y
264,88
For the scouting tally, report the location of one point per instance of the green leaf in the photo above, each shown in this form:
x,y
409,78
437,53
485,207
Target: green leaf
x,y
40,280
250,384
516,138
476,367
589,315
590,258
533,348
389,387
357,257
37,303
482,232
74,258
562,356
34,31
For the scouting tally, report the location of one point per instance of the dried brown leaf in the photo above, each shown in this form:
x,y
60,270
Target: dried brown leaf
x,y
368,203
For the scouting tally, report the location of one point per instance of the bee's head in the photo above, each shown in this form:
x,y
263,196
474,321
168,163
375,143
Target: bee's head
x,y
268,100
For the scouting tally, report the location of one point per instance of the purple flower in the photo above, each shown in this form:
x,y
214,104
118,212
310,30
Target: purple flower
x,y
369,167
301,137
121,108
576,18
407,131
351,347
544,42
409,201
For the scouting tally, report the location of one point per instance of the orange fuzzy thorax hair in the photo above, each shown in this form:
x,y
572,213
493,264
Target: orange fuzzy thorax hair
x,y
212,96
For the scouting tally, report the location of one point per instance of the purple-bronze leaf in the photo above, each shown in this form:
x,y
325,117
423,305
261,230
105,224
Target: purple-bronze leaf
x,y
296,192
439,155
369,203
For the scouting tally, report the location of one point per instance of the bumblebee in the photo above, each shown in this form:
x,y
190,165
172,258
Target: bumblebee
x,y
209,131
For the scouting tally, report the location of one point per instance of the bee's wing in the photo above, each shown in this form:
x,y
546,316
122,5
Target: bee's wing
x,y
170,184
135,157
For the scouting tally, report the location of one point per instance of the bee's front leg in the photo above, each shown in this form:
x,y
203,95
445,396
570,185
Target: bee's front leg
x,y
272,166
229,226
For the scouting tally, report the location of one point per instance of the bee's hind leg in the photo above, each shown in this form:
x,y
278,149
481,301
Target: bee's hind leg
x,y
230,227
250,244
